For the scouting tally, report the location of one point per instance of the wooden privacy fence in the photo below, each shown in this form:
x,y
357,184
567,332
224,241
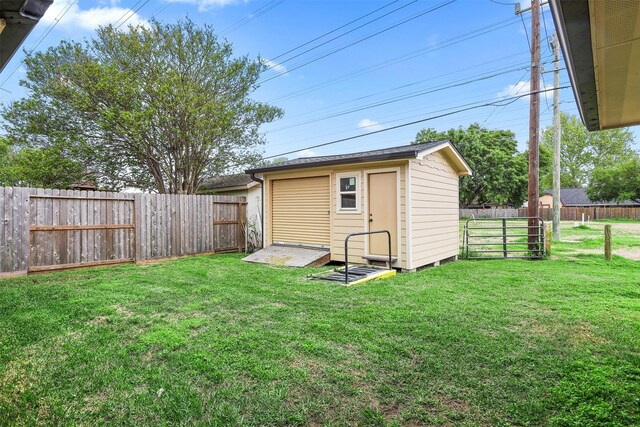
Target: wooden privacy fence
x,y
43,230
489,213
566,213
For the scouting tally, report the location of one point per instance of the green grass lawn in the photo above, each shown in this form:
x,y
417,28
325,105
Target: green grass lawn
x,y
212,340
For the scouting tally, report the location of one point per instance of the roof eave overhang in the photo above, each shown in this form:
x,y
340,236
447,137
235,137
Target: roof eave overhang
x,y
20,17
363,159
573,26
233,187
454,156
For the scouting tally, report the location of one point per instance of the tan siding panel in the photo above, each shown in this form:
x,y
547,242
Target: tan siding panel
x,y
434,210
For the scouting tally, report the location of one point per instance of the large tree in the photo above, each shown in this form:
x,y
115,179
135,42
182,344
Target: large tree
x,y
620,182
499,170
156,107
583,151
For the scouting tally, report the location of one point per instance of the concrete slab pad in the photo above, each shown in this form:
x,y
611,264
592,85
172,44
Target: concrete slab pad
x,y
290,256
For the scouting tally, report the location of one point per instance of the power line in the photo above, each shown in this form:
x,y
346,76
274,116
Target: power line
x,y
410,95
132,13
519,80
127,12
403,116
475,66
433,9
57,20
343,34
501,102
334,30
544,83
252,15
525,30
406,57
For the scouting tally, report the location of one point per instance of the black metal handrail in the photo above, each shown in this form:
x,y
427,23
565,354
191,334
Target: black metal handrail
x,y
535,231
346,249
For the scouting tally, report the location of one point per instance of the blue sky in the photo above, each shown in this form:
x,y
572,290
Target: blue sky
x,y
367,81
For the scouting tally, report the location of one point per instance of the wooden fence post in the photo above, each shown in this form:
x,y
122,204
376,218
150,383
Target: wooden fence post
x,y
607,242
547,240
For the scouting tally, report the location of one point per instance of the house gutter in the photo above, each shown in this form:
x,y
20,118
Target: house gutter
x,y
260,181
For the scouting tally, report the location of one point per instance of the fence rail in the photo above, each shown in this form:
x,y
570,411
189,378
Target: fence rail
x,y
516,237
42,229
566,214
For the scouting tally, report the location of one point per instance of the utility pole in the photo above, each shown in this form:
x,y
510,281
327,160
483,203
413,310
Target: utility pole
x,y
556,138
534,128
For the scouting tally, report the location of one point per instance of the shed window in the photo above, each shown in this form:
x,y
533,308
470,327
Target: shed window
x,y
348,191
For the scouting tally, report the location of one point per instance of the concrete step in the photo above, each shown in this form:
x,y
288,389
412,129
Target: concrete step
x,y
291,256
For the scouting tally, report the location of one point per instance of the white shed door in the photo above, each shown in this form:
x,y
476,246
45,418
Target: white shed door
x,y
300,211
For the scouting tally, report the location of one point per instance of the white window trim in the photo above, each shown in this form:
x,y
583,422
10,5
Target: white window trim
x,y
358,208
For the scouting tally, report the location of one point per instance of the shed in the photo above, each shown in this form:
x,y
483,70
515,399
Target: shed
x,y
411,191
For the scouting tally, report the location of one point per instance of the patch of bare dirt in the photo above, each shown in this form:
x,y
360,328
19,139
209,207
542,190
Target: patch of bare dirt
x,y
123,311
583,332
633,254
95,402
628,226
456,405
15,381
44,413
100,320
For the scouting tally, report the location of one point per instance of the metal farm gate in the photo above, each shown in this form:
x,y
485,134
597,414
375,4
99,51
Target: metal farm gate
x,y
495,238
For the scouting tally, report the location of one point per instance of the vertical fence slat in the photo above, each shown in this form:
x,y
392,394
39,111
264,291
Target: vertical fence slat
x,y
163,226
23,217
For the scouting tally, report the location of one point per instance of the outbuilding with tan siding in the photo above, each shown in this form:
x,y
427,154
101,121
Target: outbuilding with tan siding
x,y
411,191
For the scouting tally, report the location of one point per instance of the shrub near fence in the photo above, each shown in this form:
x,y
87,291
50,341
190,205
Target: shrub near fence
x,y
566,214
43,229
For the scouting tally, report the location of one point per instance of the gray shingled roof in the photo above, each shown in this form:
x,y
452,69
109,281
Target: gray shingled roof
x,y
579,197
227,181
401,152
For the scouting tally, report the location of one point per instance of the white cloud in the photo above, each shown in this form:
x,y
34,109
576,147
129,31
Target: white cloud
x,y
89,19
208,4
307,153
279,68
369,124
522,88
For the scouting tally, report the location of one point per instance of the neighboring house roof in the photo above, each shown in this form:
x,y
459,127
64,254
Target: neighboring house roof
x,y
600,41
17,19
392,153
83,185
229,182
579,197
